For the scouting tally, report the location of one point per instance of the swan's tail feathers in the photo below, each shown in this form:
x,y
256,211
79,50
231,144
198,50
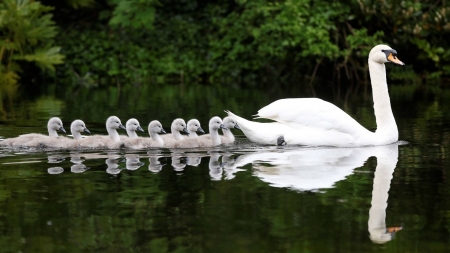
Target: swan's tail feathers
x,y
262,133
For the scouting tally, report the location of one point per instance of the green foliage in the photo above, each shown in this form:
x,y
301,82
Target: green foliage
x,y
135,41
133,13
26,33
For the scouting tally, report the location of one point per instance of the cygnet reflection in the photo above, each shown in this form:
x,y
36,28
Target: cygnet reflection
x,y
178,161
78,166
76,158
113,164
215,167
194,159
133,162
154,164
55,170
56,158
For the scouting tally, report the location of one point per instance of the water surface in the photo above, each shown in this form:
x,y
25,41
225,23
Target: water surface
x,y
233,198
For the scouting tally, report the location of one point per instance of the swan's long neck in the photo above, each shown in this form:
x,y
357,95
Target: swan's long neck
x,y
176,134
228,134
386,164
52,132
193,134
113,134
156,137
76,135
215,136
132,134
386,125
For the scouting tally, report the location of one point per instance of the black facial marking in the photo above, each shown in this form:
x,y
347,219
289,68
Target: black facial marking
x,y
387,52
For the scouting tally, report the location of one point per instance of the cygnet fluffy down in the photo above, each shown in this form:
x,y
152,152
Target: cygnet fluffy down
x,y
207,140
194,127
229,123
35,140
132,126
155,141
110,141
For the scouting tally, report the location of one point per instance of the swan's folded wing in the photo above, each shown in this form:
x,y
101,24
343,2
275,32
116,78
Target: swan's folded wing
x,y
311,112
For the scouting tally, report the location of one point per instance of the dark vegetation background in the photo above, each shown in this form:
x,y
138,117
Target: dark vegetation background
x,y
254,43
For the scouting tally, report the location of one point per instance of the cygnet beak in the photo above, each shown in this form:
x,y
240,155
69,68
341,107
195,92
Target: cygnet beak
x,y
237,127
86,130
121,126
200,130
185,131
162,131
140,129
223,127
62,129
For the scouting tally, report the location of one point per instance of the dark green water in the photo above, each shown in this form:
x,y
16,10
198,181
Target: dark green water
x,y
238,198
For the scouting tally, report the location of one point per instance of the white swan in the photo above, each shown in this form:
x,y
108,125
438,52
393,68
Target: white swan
x,y
155,141
229,123
312,121
32,140
132,126
193,126
110,141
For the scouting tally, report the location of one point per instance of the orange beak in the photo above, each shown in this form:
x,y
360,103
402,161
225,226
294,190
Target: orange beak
x,y
394,59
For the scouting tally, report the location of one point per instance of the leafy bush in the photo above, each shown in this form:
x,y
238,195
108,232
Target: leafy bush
x,y
26,34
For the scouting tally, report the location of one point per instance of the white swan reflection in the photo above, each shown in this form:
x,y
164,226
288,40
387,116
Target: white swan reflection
x,y
314,169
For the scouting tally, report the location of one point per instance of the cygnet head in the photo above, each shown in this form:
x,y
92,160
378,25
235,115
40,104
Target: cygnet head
x,y
193,125
155,127
132,127
113,122
229,122
53,125
78,127
179,125
215,123
383,54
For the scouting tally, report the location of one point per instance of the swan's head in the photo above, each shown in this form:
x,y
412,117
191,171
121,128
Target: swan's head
x,y
383,54
56,124
229,122
193,125
78,126
215,123
155,127
133,125
180,126
114,123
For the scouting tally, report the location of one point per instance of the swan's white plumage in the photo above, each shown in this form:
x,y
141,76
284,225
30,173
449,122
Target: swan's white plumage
x,y
312,121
